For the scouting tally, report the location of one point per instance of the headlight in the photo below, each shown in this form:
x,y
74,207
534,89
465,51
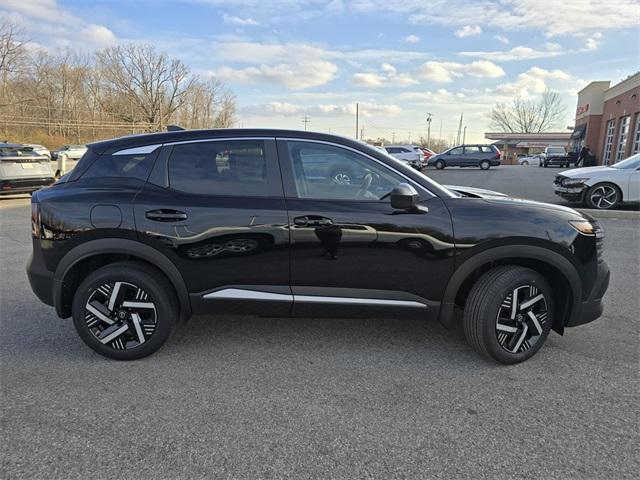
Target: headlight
x,y
585,227
573,182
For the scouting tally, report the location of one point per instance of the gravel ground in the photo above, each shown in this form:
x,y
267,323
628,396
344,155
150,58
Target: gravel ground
x,y
247,397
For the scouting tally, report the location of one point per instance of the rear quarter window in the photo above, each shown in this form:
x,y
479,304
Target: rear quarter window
x,y
122,166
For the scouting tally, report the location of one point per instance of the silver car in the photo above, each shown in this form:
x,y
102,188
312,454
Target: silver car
x,y
73,152
22,170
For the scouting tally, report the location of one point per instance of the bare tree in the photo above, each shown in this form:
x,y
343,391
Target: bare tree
x,y
529,116
13,55
153,83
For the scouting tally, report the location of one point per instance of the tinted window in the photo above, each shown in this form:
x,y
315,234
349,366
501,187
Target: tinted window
x,y
393,150
456,151
129,166
472,149
236,167
334,173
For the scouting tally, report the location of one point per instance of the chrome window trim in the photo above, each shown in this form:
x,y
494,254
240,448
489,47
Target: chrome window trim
x,y
339,145
145,149
245,294
226,139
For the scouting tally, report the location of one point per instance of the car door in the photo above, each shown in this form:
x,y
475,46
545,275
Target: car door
x,y
471,155
216,209
634,186
455,157
350,250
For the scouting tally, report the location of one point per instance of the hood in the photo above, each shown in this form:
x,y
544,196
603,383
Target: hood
x,y
532,204
475,192
578,172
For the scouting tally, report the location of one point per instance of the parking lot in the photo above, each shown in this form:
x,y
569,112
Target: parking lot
x,y
248,397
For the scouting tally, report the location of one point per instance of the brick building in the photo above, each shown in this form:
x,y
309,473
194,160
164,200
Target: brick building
x,y
608,119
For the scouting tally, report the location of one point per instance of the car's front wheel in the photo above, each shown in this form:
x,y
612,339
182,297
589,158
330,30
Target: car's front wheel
x,y
509,313
440,164
125,310
525,163
603,196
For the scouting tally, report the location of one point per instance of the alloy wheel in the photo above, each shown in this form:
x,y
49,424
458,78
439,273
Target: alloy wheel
x,y
120,315
603,196
521,318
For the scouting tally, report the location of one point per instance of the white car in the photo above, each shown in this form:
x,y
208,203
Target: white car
x,y
39,149
601,187
73,152
407,153
530,160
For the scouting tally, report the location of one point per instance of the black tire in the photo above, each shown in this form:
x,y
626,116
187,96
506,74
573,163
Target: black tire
x,y
485,165
144,286
440,164
485,326
525,163
603,196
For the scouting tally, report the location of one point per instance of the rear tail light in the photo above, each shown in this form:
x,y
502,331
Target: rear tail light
x,y
498,154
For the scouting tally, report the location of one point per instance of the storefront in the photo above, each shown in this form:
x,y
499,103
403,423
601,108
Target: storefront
x,y
608,120
513,145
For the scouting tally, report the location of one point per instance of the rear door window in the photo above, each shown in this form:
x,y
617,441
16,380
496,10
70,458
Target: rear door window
x,y
471,149
229,168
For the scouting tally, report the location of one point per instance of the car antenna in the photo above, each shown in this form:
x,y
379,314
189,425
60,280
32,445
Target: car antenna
x,y
174,128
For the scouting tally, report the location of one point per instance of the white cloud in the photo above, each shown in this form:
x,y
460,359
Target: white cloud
x,y
412,39
445,72
291,75
594,41
238,21
553,17
531,82
368,79
366,109
98,35
468,31
440,96
502,39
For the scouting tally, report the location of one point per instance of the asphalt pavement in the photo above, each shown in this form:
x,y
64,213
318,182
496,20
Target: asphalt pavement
x,y
247,397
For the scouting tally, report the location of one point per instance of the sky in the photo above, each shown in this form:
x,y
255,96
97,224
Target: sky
x,y
399,59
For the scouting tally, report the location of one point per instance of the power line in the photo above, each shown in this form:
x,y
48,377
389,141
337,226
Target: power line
x,y
306,120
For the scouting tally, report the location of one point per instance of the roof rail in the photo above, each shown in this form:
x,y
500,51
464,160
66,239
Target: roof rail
x,y
174,128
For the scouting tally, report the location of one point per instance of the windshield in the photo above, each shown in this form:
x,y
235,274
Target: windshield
x,y
630,163
555,150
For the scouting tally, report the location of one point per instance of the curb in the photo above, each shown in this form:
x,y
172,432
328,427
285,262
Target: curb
x,y
627,214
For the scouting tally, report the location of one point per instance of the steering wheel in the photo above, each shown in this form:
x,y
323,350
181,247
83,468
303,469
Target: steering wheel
x,y
367,180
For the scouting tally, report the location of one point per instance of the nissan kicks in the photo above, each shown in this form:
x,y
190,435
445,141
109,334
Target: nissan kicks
x,y
147,230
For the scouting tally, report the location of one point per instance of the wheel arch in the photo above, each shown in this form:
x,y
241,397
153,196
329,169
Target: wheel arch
x,y
85,258
557,270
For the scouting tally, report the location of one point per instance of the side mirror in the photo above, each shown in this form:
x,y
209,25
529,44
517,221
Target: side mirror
x,y
404,197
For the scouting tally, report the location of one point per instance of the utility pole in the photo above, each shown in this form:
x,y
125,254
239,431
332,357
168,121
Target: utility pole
x,y
306,120
361,133
409,137
429,115
393,137
464,134
459,128
357,117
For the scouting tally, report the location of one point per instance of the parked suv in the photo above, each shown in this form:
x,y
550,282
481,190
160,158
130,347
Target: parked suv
x,y
73,152
22,170
555,156
149,229
410,154
483,156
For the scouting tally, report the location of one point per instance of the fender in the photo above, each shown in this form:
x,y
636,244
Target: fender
x,y
550,257
122,246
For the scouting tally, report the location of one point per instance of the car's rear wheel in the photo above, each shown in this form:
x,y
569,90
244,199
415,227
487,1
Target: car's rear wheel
x,y
485,164
603,196
440,164
509,313
125,310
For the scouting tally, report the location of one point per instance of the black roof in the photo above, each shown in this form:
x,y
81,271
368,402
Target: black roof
x,y
131,141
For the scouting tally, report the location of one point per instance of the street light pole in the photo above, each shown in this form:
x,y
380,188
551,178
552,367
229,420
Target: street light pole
x,y
429,115
357,118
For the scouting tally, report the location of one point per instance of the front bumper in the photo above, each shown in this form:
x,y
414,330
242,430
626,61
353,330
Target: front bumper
x,y
592,308
572,194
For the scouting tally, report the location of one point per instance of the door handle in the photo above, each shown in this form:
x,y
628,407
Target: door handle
x,y
165,215
312,221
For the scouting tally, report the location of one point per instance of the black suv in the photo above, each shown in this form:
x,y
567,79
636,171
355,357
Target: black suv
x,y
149,229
